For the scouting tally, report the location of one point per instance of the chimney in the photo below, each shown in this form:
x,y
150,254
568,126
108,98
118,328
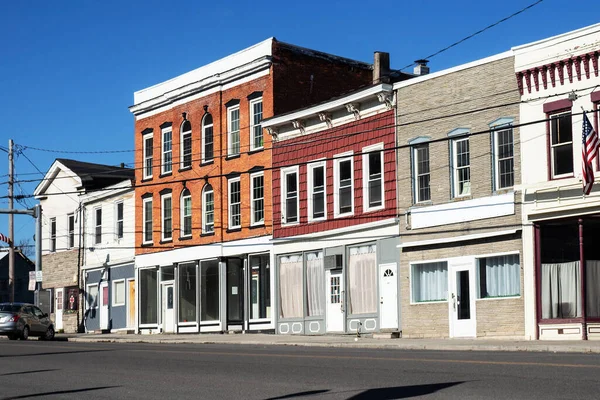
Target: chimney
x,y
421,68
122,165
381,67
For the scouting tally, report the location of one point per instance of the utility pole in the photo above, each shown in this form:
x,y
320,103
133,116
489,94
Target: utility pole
x,y
11,225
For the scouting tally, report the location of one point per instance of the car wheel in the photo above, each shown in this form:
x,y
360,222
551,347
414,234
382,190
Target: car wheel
x,y
12,337
49,334
25,333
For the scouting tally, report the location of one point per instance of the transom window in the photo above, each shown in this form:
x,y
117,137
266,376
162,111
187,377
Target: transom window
x,y
235,207
257,192
186,213
233,130
186,144
422,173
504,158
208,209
207,138
344,186
461,168
147,220
289,179
148,155
373,177
256,113
561,145
167,217
167,150
316,191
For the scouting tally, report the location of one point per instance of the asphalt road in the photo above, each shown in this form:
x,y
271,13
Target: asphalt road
x,y
62,370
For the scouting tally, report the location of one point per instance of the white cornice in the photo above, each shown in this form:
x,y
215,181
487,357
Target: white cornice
x,y
339,231
54,170
557,39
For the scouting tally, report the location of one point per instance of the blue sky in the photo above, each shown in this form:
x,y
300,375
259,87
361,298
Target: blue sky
x,y
68,69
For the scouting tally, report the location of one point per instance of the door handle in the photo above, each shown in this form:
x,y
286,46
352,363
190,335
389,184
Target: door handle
x,y
453,301
381,301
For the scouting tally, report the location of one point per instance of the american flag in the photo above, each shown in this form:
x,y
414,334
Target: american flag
x,y
589,152
4,238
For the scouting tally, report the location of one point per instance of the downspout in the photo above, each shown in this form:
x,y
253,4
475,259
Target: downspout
x,y
80,317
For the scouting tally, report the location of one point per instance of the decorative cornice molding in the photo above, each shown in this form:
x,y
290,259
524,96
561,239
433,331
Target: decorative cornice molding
x,y
298,124
354,108
273,131
326,117
387,98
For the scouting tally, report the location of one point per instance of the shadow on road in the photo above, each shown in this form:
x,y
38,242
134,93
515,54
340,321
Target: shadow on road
x,y
299,394
29,372
53,353
27,396
402,392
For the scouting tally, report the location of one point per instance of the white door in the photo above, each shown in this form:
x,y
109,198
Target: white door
x,y
388,296
335,301
168,300
104,301
58,308
461,282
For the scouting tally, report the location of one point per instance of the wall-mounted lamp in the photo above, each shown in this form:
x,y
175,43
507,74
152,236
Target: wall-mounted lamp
x,y
572,96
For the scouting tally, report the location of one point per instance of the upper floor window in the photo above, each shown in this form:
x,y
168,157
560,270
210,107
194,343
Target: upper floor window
x,y
233,130
148,155
422,173
71,238
561,145
207,138
343,175
504,164
167,151
167,217
208,209
257,200
372,162
256,112
316,191
98,226
147,228
119,220
186,145
186,213
52,234
461,167
235,204
289,194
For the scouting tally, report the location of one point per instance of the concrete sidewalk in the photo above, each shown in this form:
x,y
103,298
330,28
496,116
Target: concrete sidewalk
x,y
347,341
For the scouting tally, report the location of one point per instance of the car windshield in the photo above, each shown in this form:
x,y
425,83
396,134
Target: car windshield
x,y
10,307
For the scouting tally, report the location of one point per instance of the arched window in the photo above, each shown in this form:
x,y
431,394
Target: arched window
x,y
207,138
208,209
186,213
186,144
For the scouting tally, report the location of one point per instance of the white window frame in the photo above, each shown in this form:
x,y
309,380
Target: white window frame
x,y
411,277
478,276
230,204
52,235
70,232
145,219
122,220
148,159
311,190
182,213
182,136
497,160
254,124
366,176
205,192
96,300
551,146
284,173
205,126
415,159
97,226
338,159
163,198
253,200
166,167
230,131
114,292
455,169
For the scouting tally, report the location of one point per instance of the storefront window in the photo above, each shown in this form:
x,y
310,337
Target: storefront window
x,y
260,286
167,273
209,285
592,288
187,293
362,273
290,286
315,284
148,296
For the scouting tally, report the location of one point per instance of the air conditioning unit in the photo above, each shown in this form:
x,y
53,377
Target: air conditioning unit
x,y
333,261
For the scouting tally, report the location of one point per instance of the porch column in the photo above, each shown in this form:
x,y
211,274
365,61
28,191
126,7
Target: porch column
x,y
582,279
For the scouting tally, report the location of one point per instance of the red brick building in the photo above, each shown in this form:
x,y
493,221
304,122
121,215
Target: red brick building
x,y
334,208
203,183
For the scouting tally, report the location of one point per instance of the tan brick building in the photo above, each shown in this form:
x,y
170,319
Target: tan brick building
x,y
460,226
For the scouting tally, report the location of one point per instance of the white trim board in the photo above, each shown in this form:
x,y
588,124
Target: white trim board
x,y
462,238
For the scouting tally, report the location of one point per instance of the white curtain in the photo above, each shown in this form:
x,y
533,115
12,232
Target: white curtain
x,y
430,282
362,272
592,288
290,286
502,276
561,283
315,284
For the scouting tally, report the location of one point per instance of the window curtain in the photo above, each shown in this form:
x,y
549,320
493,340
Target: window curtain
x,y
362,272
561,283
430,282
315,284
502,276
592,288
290,286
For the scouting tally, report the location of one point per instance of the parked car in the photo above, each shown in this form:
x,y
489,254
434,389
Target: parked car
x,y
21,320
